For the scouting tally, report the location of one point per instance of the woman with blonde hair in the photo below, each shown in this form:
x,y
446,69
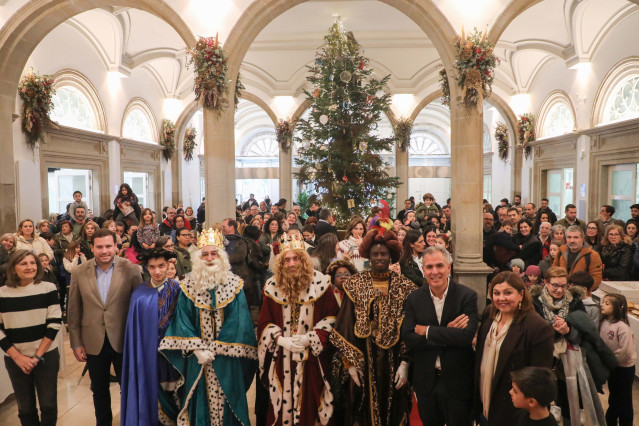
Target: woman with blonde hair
x,y
349,247
73,257
86,238
616,254
26,239
9,242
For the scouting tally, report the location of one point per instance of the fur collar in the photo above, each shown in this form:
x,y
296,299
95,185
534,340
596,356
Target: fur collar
x,y
224,293
314,291
575,291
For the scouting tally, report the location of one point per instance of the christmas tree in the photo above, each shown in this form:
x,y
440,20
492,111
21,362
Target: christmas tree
x,y
340,154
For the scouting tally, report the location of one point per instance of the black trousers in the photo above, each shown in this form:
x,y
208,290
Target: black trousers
x,y
43,380
99,367
439,408
620,410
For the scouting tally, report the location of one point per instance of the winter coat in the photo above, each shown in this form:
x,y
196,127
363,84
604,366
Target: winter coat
x,y
601,360
617,260
410,270
587,260
237,250
37,246
60,244
166,227
530,251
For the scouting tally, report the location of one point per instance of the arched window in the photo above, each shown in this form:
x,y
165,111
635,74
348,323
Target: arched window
x,y
488,145
261,145
71,108
137,126
423,144
556,116
76,102
558,121
623,102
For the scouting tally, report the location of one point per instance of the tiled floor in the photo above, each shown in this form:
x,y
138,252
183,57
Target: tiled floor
x,y
75,402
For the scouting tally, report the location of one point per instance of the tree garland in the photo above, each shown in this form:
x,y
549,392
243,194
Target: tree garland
x,y
189,143
284,134
526,130
36,92
167,138
239,89
501,134
475,67
443,83
210,66
403,130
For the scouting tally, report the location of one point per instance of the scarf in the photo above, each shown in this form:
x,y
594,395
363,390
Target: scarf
x,y
489,359
189,218
552,307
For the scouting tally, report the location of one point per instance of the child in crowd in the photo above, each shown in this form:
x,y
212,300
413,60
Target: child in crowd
x,y
583,279
532,275
507,227
517,266
534,388
77,202
149,230
49,274
72,258
171,272
615,331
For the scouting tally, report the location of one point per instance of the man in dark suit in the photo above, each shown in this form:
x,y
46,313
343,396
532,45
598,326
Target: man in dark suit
x,y
439,326
323,225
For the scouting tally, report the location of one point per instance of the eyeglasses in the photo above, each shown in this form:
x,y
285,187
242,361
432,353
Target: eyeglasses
x,y
592,228
343,275
559,286
169,245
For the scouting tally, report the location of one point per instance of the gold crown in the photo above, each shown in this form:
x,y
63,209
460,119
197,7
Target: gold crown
x,y
210,237
291,242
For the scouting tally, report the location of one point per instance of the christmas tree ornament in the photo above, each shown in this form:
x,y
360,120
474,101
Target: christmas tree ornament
x,y
345,105
316,93
379,94
363,146
361,65
330,77
319,61
369,100
345,76
323,119
350,203
345,179
332,108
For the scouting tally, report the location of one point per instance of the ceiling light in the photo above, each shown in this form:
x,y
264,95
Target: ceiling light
x,y
520,103
283,105
403,104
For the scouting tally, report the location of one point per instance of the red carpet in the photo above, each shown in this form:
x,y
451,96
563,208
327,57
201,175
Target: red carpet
x,y
414,414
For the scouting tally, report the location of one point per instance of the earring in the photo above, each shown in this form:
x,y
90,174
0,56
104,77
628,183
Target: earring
x,y
519,306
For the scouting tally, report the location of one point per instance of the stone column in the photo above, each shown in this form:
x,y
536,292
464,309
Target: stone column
x,y
219,165
401,168
466,193
286,177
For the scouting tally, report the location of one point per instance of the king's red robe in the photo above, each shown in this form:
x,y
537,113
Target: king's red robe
x,y
298,383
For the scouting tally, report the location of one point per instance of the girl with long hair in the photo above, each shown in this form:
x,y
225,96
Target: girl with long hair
x,y
617,334
349,247
148,230
325,252
410,260
126,205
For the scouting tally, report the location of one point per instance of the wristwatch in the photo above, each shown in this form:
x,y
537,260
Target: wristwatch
x,y
39,358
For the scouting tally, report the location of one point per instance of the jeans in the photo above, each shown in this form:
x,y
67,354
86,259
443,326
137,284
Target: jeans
x,y
43,380
120,218
99,367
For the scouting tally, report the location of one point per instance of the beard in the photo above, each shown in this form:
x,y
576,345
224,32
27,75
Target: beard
x,y
293,281
208,275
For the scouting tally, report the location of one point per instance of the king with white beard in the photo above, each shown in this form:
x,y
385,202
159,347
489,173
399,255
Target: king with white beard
x,y
211,341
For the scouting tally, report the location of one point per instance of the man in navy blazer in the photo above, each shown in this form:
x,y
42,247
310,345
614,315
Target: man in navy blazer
x,y
438,329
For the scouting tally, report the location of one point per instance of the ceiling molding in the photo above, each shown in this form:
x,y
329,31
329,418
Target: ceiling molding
x,y
367,40
151,54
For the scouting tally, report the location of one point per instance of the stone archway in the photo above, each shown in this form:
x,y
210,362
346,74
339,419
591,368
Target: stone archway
x,y
18,38
507,15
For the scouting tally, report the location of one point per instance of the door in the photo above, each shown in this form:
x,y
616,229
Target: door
x,y
560,189
63,183
139,183
622,189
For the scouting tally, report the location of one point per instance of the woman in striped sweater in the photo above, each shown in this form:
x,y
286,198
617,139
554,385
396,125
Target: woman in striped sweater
x,y
30,318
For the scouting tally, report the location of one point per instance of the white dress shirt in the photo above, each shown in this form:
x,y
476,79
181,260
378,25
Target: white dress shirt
x,y
439,307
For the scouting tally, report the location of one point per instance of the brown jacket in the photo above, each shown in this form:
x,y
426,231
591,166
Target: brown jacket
x,y
580,264
89,319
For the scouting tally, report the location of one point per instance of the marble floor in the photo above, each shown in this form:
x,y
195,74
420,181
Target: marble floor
x,y
75,403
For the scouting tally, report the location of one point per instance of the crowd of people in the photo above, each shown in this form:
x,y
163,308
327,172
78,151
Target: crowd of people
x,y
360,327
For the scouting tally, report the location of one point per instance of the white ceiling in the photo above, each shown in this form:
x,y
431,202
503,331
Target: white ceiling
x,y
564,30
